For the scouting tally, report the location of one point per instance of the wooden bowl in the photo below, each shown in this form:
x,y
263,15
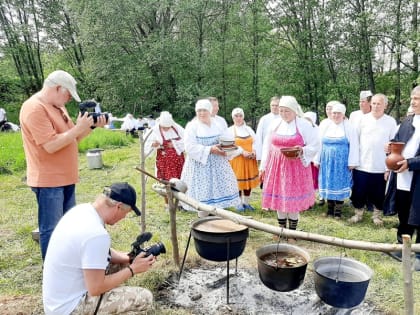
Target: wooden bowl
x,y
291,153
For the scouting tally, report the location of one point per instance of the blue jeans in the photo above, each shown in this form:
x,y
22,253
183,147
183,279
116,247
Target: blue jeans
x,y
53,203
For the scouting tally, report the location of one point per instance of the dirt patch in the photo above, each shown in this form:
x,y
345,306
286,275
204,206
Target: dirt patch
x,y
203,291
21,305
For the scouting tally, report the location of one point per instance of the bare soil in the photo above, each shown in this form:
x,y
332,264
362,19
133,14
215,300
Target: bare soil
x,y
21,305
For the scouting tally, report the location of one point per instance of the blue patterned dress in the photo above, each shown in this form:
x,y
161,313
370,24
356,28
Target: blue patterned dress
x,y
335,178
213,182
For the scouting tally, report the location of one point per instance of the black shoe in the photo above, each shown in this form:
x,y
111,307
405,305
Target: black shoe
x,y
321,202
395,255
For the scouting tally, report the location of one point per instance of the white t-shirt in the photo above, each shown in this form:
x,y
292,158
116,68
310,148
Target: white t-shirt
x,y
373,135
78,242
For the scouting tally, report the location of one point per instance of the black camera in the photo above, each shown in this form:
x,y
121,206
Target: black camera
x,y
136,247
89,106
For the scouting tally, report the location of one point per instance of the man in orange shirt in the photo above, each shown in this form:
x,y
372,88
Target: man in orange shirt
x,y
50,140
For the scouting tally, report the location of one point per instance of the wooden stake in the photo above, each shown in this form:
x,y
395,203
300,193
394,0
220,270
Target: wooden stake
x,y
407,275
172,217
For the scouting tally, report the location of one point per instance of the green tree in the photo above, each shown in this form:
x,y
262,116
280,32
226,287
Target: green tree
x,y
20,26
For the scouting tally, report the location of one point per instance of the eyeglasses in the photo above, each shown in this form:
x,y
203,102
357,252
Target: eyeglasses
x,y
63,114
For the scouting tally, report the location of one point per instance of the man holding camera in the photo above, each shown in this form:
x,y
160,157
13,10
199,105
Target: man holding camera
x,y
50,140
75,280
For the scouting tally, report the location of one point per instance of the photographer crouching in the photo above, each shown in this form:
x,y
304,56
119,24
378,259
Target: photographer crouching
x,y
75,278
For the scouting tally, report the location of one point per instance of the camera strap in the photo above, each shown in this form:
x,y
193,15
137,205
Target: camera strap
x,y
98,305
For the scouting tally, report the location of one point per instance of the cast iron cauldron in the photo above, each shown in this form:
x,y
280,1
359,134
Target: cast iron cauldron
x,y
281,278
213,236
341,282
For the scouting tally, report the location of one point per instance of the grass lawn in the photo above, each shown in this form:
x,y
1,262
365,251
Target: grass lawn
x,y
21,265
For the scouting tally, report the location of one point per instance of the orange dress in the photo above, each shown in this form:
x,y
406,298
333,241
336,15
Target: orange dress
x,y
246,170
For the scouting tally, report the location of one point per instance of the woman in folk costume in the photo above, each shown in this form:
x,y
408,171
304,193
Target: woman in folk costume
x,y
207,172
167,137
244,165
288,186
339,154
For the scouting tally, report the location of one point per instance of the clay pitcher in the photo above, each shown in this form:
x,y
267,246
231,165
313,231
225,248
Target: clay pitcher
x,y
395,155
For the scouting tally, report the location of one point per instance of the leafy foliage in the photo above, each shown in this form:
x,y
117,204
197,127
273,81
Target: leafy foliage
x,y
143,56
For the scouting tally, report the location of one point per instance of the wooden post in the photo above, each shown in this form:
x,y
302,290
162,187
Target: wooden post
x,y
407,275
172,216
143,135
142,183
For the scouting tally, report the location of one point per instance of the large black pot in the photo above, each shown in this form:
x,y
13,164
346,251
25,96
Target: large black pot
x,y
341,282
219,239
281,278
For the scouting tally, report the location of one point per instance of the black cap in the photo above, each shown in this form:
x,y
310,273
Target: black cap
x,y
124,193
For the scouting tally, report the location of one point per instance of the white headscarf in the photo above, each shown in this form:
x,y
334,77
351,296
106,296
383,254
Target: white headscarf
x,y
291,103
165,119
338,107
238,110
203,104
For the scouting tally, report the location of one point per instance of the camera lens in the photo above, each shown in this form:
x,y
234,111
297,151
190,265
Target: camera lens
x,y
156,249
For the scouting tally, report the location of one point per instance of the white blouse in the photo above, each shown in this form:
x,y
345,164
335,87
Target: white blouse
x,y
310,138
242,131
195,128
333,130
404,179
169,134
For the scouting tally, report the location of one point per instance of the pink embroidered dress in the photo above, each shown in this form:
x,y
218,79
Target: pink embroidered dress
x,y
288,185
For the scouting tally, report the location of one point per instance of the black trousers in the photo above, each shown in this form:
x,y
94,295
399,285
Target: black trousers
x,y
368,188
403,203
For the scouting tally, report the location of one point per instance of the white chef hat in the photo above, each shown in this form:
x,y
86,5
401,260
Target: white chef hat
x,y
365,94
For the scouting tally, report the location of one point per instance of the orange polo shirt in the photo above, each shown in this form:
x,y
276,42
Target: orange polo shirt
x,y
41,123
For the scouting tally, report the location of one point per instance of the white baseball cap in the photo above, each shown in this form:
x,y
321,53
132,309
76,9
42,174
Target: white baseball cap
x,y
64,79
